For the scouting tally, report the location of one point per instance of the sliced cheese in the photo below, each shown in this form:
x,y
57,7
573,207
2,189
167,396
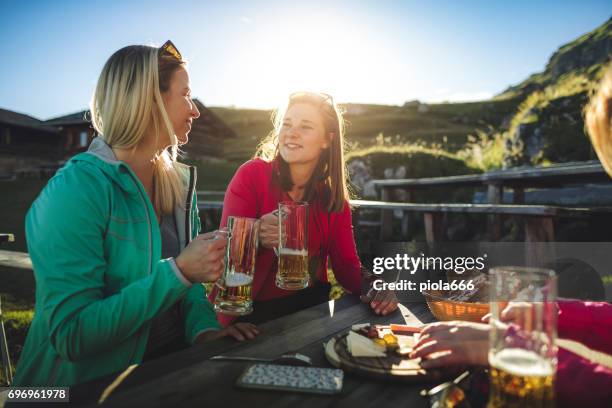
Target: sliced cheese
x,y
360,346
356,327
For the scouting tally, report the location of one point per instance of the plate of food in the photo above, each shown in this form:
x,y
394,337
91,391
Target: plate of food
x,y
380,351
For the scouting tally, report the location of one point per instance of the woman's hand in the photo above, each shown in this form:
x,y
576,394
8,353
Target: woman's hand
x,y
202,259
455,343
239,331
522,313
382,302
268,230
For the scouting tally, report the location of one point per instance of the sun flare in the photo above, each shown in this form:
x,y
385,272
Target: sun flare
x,y
323,54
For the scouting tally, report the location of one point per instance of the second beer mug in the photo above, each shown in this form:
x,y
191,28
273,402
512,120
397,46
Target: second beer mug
x,y
234,287
292,246
523,354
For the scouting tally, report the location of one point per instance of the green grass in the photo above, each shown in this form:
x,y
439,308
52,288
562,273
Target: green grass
x,y
17,295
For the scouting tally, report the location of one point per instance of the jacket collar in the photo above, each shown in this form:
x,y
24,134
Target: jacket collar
x,y
100,149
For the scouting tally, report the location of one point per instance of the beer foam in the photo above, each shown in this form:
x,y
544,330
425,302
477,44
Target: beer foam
x,y
521,362
238,279
290,251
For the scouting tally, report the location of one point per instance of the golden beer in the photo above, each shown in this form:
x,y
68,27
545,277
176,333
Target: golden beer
x,y
520,378
292,269
234,296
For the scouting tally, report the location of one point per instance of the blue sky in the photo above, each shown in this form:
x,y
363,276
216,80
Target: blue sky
x,y
253,53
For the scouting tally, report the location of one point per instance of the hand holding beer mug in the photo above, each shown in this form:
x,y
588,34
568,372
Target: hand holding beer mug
x,y
292,246
202,259
523,353
234,288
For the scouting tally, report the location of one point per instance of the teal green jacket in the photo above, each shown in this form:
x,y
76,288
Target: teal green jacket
x,y
95,246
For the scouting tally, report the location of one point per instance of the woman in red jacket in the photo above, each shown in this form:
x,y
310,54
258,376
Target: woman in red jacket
x,y
301,160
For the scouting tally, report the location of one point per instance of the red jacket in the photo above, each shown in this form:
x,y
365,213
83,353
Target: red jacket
x,y
581,382
253,192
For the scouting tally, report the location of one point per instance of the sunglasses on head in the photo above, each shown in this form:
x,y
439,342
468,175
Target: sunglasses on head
x,y
323,96
170,50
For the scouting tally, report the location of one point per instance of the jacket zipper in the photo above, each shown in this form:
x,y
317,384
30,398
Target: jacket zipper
x,y
188,204
187,227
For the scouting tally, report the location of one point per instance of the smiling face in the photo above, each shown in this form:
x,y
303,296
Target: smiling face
x,y
180,107
302,135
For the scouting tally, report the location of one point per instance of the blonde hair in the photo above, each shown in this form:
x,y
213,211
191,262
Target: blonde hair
x,y
597,120
331,168
127,100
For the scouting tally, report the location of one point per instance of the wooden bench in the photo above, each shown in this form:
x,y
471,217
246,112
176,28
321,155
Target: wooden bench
x,y
518,179
538,219
15,259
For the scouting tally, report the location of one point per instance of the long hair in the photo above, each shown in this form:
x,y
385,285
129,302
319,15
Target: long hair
x,y
330,175
127,101
597,120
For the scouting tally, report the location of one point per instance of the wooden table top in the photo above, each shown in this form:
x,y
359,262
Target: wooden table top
x,y
188,378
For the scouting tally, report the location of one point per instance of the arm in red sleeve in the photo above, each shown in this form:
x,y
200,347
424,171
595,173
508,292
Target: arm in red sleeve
x,y
589,323
581,382
343,253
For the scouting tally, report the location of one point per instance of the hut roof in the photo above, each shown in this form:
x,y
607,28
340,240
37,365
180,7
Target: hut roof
x,y
77,118
12,118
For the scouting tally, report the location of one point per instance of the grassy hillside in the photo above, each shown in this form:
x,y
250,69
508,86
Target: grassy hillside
x,y
537,121
548,125
446,124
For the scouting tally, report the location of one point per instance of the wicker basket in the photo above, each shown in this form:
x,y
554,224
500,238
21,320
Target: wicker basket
x,y
444,309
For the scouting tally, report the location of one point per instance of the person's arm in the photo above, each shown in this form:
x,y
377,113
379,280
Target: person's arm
x,y
199,314
348,270
581,382
343,252
65,229
589,323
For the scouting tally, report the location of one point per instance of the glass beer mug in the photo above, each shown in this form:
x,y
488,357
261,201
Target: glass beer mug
x,y
292,271
234,287
523,352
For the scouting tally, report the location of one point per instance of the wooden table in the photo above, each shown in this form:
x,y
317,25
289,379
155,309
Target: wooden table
x,y
518,179
188,378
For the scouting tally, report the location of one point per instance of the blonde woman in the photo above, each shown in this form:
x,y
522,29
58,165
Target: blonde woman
x,y
302,160
113,236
